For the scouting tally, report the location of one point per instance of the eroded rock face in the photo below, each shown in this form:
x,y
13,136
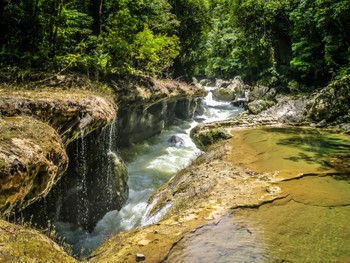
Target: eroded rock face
x,y
72,113
32,159
141,122
145,111
94,184
19,244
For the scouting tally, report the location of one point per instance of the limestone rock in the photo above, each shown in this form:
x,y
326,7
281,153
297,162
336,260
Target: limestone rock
x,y
258,106
71,113
331,102
233,90
32,159
204,137
220,83
138,123
206,82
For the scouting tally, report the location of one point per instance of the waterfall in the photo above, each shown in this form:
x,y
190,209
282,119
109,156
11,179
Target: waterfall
x,y
82,202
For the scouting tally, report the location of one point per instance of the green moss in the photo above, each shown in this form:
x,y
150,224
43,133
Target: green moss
x,y
24,244
207,137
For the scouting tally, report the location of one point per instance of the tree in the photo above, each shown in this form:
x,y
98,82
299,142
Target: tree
x,y
194,17
140,37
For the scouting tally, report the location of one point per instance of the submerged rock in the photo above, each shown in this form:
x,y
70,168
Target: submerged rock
x,y
176,141
32,159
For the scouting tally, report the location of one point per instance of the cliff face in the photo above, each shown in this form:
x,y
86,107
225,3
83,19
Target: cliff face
x,y
72,113
39,127
145,111
32,151
32,159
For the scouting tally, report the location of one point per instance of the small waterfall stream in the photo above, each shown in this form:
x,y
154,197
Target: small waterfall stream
x,y
150,164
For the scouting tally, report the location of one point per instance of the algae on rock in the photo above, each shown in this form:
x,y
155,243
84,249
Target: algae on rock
x,y
20,244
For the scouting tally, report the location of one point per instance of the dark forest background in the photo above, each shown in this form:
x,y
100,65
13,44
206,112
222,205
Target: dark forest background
x,y
287,42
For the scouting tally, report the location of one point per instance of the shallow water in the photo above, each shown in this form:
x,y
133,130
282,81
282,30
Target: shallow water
x,y
311,224
290,151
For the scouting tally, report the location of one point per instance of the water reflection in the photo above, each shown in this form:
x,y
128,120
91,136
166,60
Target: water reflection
x,y
288,150
228,241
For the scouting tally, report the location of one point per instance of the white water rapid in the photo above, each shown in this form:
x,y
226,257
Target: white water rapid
x,y
150,165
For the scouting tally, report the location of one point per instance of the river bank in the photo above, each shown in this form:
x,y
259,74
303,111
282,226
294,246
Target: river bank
x,y
216,185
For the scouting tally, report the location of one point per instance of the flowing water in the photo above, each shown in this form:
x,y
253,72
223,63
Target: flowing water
x,y
150,165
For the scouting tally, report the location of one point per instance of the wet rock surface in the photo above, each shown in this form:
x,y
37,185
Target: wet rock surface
x,y
145,111
202,193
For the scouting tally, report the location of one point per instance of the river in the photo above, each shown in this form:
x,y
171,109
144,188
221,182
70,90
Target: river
x,y
150,164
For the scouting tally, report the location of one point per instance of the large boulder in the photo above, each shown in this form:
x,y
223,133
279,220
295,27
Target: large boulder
x,y
258,106
204,137
206,82
261,92
331,102
32,159
230,92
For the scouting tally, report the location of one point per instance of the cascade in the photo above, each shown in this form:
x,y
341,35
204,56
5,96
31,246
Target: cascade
x,y
95,198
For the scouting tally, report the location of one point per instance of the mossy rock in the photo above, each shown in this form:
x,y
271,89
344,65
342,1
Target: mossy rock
x,y
204,137
21,244
73,113
332,102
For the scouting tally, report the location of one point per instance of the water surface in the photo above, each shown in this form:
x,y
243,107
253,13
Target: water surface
x,y
290,151
311,224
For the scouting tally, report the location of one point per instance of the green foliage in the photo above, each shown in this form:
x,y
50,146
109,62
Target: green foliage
x,y
195,23
140,43
271,42
96,37
245,41
154,53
